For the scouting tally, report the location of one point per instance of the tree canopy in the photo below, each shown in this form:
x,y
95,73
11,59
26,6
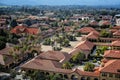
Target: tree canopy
x,y
89,66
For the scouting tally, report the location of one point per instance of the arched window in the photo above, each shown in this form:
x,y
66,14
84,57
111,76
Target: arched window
x,y
74,77
95,78
83,78
88,78
47,73
65,76
61,75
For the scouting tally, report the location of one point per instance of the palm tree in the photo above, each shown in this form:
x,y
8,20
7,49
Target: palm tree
x,y
89,66
78,57
67,65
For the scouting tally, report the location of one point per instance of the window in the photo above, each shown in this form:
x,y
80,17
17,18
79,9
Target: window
x,y
95,78
117,75
104,74
110,75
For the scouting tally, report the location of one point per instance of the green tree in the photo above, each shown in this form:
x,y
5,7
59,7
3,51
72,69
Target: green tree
x,y
47,41
71,37
78,34
89,66
2,45
28,22
13,23
101,50
57,77
105,33
65,43
78,57
36,75
67,65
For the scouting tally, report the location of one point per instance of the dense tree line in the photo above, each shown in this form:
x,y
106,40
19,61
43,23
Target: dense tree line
x,y
5,37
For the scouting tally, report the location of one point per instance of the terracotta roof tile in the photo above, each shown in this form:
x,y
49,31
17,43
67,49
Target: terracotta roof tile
x,y
85,73
23,29
46,65
93,35
116,27
112,66
93,22
6,50
55,56
86,30
116,43
117,33
85,45
6,59
112,54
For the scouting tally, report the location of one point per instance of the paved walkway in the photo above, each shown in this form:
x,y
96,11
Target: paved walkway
x,y
65,49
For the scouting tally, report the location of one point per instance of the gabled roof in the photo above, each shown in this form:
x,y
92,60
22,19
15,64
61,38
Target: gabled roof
x,y
104,22
6,59
19,29
54,56
116,27
116,43
45,65
112,66
93,22
86,30
23,29
85,45
41,64
113,30
112,54
117,33
33,31
93,35
85,73
6,50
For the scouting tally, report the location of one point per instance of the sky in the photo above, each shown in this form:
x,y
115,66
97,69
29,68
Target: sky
x,y
61,2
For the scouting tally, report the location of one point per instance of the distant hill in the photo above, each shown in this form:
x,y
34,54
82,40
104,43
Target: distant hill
x,y
68,6
1,4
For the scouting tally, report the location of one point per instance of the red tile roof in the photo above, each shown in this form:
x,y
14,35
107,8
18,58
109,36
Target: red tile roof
x,y
112,54
6,50
116,27
23,29
85,45
85,73
106,23
116,43
45,65
104,60
86,30
93,35
48,65
117,33
112,66
6,59
113,30
33,31
93,22
55,56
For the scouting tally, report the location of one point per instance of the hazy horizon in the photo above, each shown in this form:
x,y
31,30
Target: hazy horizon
x,y
60,2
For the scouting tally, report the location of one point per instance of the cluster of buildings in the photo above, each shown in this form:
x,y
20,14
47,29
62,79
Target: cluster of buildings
x,y
50,62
